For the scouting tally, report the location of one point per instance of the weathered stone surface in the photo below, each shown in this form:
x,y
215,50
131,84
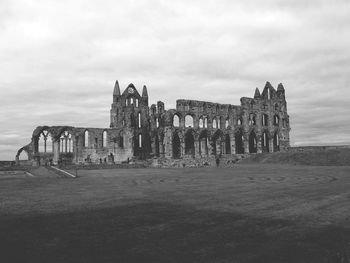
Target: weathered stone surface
x,y
192,135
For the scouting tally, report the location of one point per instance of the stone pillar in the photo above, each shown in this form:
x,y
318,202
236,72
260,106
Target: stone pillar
x,y
56,151
233,143
166,145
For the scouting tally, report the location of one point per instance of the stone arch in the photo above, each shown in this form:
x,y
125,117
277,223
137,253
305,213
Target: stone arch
x,y
86,138
265,141
217,142
252,119
176,143
189,143
201,122
239,121
253,142
204,142
189,121
239,140
176,120
66,142
19,153
227,123
45,142
276,120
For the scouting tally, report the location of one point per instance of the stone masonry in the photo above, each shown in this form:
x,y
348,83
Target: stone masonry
x,y
195,131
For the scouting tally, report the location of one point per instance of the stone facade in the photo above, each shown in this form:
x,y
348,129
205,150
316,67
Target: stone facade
x,y
195,131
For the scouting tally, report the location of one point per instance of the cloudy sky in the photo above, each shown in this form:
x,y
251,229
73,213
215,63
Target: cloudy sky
x,y
59,60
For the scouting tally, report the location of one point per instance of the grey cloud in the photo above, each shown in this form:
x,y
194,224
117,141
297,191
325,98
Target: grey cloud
x,y
60,59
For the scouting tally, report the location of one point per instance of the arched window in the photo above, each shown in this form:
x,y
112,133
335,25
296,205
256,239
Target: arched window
x,y
137,103
104,139
188,121
265,142
139,119
205,122
239,121
276,120
252,119
157,122
189,143
176,146
226,123
215,125
140,140
66,144
265,119
219,122
45,142
201,124
121,141
86,138
176,121
127,102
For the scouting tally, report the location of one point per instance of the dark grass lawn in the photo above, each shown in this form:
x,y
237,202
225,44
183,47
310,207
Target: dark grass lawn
x,y
251,213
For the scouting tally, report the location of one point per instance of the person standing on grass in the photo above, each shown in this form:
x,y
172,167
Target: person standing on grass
x,y
217,161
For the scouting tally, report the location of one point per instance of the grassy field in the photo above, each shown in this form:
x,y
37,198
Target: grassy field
x,y
250,213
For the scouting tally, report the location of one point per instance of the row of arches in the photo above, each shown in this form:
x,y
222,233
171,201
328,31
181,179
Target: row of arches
x,y
217,121
220,143
44,142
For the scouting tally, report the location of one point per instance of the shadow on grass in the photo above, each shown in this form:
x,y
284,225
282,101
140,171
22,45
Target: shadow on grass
x,y
161,232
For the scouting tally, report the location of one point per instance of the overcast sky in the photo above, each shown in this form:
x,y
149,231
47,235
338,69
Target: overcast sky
x,y
59,60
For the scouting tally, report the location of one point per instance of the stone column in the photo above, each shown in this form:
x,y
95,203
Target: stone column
x,y
56,151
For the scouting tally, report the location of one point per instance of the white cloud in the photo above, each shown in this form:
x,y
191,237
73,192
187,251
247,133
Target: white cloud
x,y
59,59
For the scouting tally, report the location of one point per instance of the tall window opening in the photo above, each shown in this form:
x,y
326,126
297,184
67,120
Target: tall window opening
x,y
227,144
276,120
104,139
215,124
265,142
252,142
176,121
189,143
176,146
205,122
140,140
265,120
201,124
139,119
86,138
45,142
66,143
188,121
239,143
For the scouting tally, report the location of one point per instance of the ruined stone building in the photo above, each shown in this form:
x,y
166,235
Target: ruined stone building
x,y
197,130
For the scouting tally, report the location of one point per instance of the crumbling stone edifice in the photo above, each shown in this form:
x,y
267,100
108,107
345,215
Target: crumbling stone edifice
x,y
194,130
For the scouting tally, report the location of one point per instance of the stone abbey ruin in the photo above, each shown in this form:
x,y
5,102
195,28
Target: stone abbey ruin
x,y
196,131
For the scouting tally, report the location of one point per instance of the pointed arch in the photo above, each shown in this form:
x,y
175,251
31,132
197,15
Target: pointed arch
x,y
253,148
176,146
265,141
239,139
176,121
66,142
189,143
276,142
86,138
188,120
203,143
217,142
104,139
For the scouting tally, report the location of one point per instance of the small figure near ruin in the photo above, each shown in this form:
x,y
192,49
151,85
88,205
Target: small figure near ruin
x,y
217,161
